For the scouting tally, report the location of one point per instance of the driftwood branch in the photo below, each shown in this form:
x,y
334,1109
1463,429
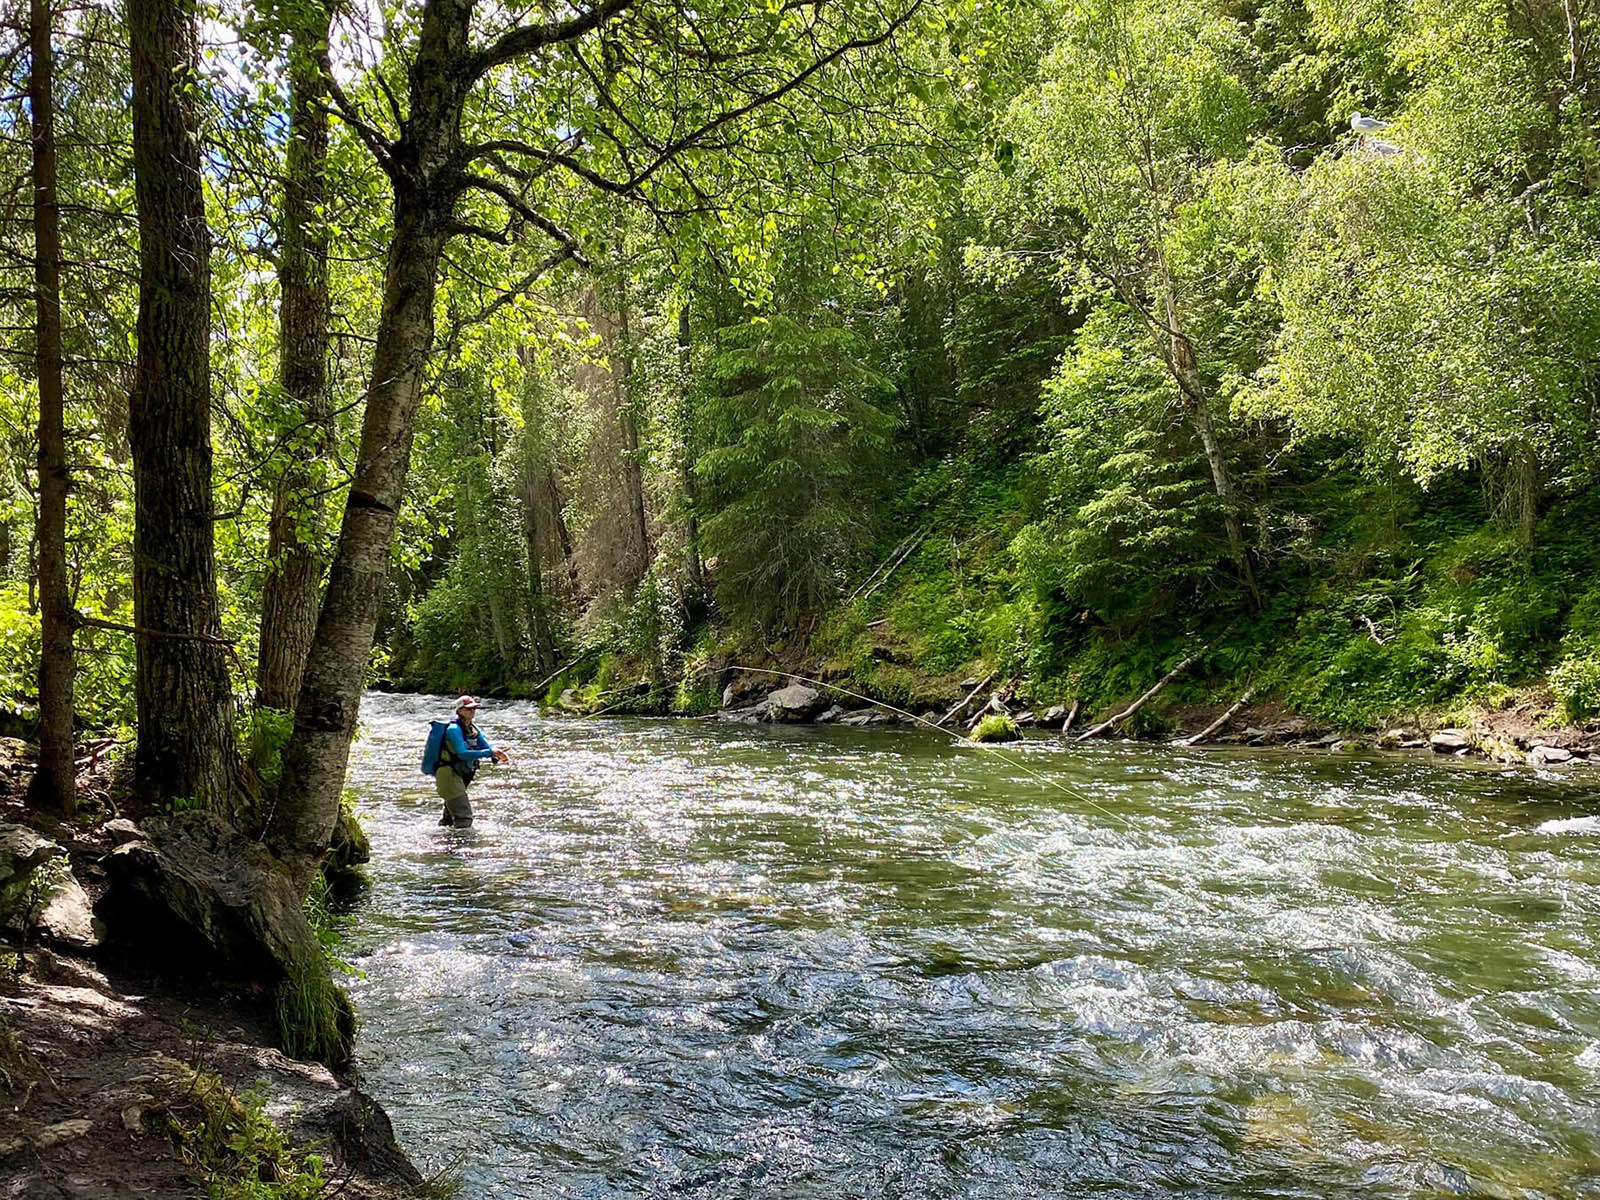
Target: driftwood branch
x,y
972,695
1072,715
551,678
1249,695
1097,730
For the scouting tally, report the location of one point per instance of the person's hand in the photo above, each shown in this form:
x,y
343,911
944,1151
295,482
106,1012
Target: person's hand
x,y
500,756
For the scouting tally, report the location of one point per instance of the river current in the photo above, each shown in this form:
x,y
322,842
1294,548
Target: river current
x,y
683,959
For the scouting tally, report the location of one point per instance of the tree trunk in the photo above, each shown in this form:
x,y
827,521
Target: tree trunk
x,y
295,530
697,598
336,669
528,489
1186,373
185,710
632,471
423,169
53,782
564,536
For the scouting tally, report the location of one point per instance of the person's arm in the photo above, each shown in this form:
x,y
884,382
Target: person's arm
x,y
499,756
458,746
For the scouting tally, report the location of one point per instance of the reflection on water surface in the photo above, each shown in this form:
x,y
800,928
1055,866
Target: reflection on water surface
x,y
677,959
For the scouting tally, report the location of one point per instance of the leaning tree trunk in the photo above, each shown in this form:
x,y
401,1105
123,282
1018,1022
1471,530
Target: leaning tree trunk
x,y
53,782
294,532
186,744
304,812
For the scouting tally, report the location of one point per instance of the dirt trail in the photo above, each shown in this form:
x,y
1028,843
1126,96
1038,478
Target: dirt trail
x,y
90,1065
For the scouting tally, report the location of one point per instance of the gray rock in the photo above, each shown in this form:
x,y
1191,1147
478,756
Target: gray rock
x,y
1026,718
1450,741
867,716
1543,756
793,703
568,698
1056,714
970,682
829,715
123,831
22,853
68,918
730,696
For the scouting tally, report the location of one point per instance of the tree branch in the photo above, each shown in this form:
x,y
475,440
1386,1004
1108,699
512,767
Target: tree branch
x,y
532,216
525,39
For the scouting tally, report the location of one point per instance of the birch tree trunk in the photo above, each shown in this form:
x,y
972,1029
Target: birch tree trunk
x,y
53,781
185,710
1186,373
295,529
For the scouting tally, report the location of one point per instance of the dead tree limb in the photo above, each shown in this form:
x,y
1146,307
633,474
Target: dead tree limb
x,y
1096,730
1072,715
957,710
1249,695
892,564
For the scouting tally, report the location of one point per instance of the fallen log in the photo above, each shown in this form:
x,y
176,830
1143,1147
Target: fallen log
x,y
1249,695
1072,715
1096,730
972,695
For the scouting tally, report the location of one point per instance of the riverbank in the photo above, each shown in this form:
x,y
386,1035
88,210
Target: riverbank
x,y
1524,730
119,1086
119,1079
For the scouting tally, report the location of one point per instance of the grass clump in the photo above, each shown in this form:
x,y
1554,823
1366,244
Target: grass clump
x,y
242,1154
315,1017
996,727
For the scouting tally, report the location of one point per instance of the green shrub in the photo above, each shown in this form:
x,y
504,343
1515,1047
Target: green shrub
x,y
1575,680
996,727
264,734
242,1154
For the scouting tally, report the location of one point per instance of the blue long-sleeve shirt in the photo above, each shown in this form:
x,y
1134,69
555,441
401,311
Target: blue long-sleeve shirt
x,y
457,742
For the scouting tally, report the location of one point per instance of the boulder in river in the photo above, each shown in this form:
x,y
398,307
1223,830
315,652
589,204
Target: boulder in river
x,y
197,894
793,703
1450,741
1543,756
867,716
1054,716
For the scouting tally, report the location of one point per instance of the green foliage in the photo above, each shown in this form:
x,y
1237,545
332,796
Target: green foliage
x,y
264,734
315,1017
795,436
234,1144
1575,680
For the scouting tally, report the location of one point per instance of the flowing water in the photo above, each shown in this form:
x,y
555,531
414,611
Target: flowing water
x,y
679,959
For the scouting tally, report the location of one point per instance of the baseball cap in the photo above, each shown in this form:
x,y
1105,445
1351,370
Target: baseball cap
x,y
465,702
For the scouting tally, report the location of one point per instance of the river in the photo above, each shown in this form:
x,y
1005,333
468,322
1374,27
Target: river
x,y
682,959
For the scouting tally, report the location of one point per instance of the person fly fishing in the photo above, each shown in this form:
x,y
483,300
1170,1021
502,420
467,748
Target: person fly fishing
x,y
454,751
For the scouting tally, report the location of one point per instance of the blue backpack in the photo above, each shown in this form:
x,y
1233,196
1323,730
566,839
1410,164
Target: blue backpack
x,y
430,752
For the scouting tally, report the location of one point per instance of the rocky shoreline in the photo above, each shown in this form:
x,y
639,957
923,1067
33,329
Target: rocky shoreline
x,y
126,1073
1510,738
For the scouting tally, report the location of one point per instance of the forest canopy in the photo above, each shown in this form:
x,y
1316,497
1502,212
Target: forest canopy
x,y
453,346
